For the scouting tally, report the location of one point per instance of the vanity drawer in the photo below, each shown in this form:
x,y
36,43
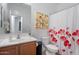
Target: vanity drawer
x,y
11,50
28,48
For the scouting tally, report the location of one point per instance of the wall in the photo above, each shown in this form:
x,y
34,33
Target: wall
x,y
24,11
38,33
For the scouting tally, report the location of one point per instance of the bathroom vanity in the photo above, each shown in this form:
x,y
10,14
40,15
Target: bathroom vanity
x,y
23,46
13,21
28,48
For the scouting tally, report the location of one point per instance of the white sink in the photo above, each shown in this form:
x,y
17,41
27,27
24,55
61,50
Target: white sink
x,y
20,39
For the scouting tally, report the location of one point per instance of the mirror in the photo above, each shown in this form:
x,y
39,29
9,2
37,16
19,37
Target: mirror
x,y
16,24
16,17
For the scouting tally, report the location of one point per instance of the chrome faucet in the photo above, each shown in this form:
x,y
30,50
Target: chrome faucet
x,y
18,36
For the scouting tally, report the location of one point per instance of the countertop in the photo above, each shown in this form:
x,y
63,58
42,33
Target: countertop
x,y
13,41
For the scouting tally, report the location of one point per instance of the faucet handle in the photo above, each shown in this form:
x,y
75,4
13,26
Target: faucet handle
x,y
18,36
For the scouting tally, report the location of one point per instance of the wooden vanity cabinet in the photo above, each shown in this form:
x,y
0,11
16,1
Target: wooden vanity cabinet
x,y
19,49
10,50
28,49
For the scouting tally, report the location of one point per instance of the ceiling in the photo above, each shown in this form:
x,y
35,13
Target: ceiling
x,y
51,8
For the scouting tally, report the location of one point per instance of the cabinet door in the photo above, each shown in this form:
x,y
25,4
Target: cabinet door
x,y
28,48
11,50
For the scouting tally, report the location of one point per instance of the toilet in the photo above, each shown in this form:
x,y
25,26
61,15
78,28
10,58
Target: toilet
x,y
50,49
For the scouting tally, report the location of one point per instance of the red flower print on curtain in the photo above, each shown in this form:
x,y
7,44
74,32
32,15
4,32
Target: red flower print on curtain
x,y
66,43
74,33
63,38
77,42
69,46
63,50
49,30
67,33
54,40
61,31
51,35
64,35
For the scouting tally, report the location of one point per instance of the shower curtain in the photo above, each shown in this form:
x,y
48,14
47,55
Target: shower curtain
x,y
66,21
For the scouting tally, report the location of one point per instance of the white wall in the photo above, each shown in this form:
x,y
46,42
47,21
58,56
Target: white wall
x,y
52,8
38,33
